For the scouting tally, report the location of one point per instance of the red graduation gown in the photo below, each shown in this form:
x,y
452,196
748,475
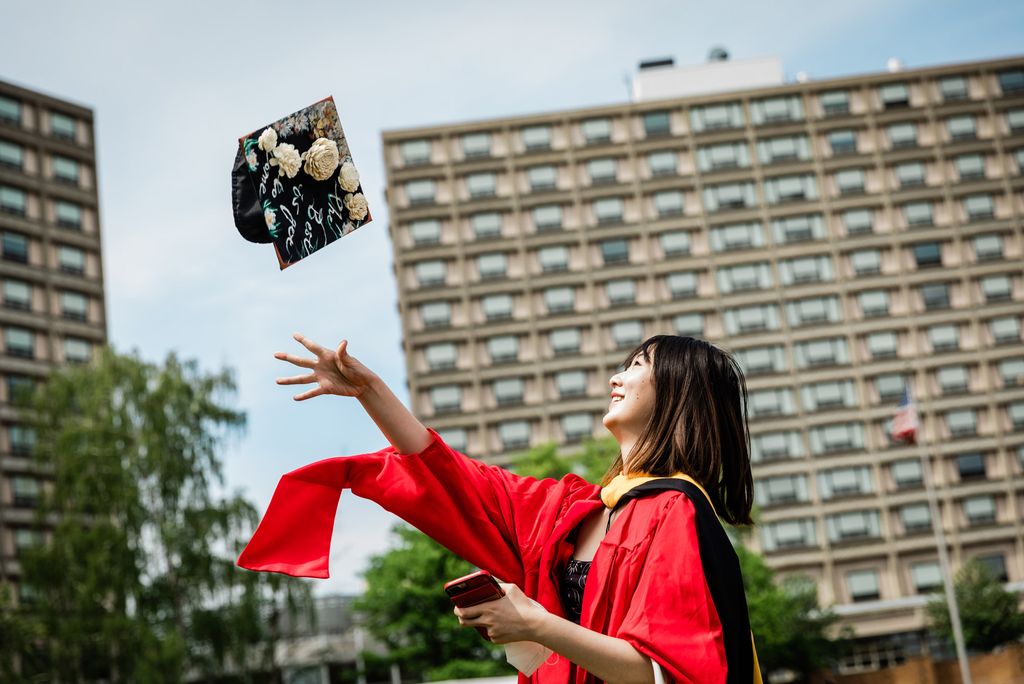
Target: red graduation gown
x,y
646,584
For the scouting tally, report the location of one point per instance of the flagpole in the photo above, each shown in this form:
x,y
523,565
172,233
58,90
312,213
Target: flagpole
x,y
944,565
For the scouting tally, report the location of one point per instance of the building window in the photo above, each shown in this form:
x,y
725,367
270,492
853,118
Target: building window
x,y
1015,120
730,196
620,292
566,341
840,482
907,474
571,383
777,109
421,192
987,247
773,446
962,422
743,277
952,379
503,348
486,225
970,166
476,145
813,311
689,324
69,215
675,243
735,236
837,437
553,259
481,185
890,386
508,391
415,152
835,102
668,203
577,426
560,299
69,259
1011,371
851,181
962,127
980,510
440,356
828,395
935,296
723,156
784,149
12,156
436,314
782,489
602,171
995,565
497,307
547,217
663,163
902,134
19,342
970,466
514,434
809,269
858,221
790,189
866,262
910,175
770,402
596,131
823,352
716,117
753,318
797,228
456,438
77,350
536,138
953,88
65,170
542,178
1005,329
944,337
843,141
1011,81
431,273
74,305
918,213
862,585
15,248
761,360
10,110
915,518
788,534
873,303
493,266
19,387
62,126
446,398
996,288
979,207
882,345
853,525
608,210
627,334
927,254
926,576
1015,411
425,232
12,200
17,295
894,96
25,491
615,252
657,124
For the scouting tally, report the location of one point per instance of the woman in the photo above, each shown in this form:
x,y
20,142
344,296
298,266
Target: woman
x,y
661,592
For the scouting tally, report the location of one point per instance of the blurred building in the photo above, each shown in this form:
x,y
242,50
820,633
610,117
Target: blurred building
x,y
845,238
53,303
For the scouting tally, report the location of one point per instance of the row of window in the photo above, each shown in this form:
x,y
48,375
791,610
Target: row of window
x,y
24,343
17,248
597,130
923,577
58,167
19,294
60,125
865,525
59,212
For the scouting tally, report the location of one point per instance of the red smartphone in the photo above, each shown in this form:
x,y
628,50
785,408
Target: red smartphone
x,y
475,588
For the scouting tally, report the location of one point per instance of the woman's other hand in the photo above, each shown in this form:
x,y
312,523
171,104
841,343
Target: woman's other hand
x,y
515,617
333,371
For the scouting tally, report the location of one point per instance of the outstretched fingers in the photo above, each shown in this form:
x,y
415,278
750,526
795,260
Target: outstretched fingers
x,y
296,360
309,344
309,394
297,380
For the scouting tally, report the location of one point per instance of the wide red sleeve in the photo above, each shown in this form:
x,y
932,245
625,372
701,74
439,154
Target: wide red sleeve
x,y
482,513
672,617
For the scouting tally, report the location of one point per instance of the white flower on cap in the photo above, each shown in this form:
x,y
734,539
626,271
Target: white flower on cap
x,y
287,158
348,179
357,207
321,159
268,140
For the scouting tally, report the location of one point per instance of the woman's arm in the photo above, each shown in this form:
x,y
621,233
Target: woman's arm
x,y
516,618
338,372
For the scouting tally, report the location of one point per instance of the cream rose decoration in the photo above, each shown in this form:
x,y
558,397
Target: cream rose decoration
x,y
270,216
348,178
268,139
287,158
321,159
251,160
356,205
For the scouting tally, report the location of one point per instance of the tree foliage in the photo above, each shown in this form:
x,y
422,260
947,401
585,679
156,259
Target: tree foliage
x,y
989,614
135,579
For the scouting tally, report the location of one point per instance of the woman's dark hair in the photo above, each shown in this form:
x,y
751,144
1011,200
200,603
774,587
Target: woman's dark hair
x,y
698,426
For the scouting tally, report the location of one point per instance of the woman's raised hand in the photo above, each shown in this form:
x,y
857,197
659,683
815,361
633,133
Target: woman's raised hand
x,y
333,371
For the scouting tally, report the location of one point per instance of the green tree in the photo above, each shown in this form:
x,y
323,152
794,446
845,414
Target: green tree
x,y
589,462
135,578
989,614
790,630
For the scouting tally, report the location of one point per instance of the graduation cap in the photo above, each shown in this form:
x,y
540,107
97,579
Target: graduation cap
x,y
294,184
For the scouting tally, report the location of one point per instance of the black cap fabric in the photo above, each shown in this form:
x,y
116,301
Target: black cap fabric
x,y
294,184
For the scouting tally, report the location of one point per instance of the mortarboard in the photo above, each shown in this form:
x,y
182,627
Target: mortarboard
x,y
294,184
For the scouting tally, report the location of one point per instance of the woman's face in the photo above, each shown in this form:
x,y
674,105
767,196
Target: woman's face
x,y
632,399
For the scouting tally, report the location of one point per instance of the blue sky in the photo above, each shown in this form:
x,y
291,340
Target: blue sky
x,y
173,85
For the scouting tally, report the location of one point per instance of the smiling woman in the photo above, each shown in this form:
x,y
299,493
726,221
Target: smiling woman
x,y
629,582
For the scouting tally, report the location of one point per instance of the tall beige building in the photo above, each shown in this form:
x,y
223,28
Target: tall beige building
x,y
53,305
845,238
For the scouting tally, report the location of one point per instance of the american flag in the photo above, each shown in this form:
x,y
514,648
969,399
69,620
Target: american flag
x,y
904,425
